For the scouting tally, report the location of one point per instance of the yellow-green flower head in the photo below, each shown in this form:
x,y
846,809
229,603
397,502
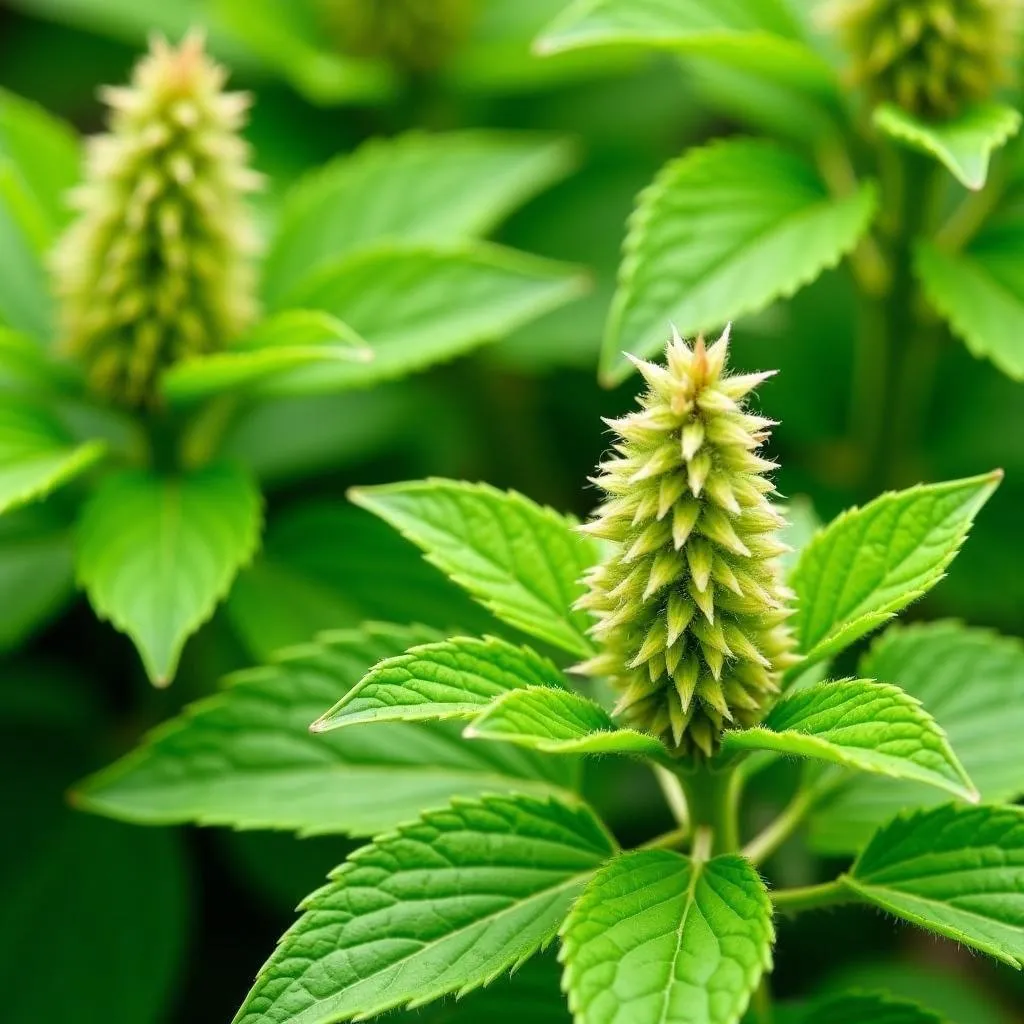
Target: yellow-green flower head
x,y
929,56
157,265
418,35
689,604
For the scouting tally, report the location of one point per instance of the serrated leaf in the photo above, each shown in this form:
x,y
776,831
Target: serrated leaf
x,y
522,561
874,727
420,305
658,938
558,721
156,554
443,905
723,231
416,188
283,341
37,454
962,144
871,562
246,758
972,682
858,1007
955,871
753,35
451,679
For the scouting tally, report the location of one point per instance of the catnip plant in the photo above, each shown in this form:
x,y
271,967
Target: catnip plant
x,y
678,628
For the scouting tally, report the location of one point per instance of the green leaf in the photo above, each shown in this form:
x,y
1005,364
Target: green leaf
x,y
858,1007
972,681
246,758
963,144
871,562
723,231
874,727
658,937
419,305
296,337
416,188
451,679
156,554
37,454
522,561
955,871
25,302
443,905
558,721
753,35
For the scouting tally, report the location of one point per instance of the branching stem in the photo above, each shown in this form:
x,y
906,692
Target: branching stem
x,y
763,845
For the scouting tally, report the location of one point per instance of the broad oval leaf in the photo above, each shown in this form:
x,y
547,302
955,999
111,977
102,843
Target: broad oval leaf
x,y
962,144
156,554
443,905
858,1007
972,682
558,721
723,231
418,305
246,758
871,562
37,454
952,870
658,938
522,561
873,727
414,188
451,679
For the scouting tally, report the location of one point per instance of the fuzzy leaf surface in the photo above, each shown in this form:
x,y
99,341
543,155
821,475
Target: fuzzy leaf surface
x,y
37,455
156,554
963,145
521,560
723,231
871,562
443,905
416,188
246,758
657,938
952,870
417,305
858,1007
874,727
972,682
558,721
451,679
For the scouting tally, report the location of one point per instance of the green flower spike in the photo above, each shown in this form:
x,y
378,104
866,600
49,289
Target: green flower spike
x,y
928,56
689,604
418,35
157,265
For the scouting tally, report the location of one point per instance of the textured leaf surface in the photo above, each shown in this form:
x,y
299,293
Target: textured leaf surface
x,y
963,145
874,727
420,305
972,682
558,722
246,757
659,939
37,455
860,1007
414,188
955,871
521,560
871,562
721,232
156,554
442,905
451,679
296,337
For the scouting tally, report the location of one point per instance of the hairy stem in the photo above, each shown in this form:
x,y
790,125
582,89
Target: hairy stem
x,y
712,798
811,897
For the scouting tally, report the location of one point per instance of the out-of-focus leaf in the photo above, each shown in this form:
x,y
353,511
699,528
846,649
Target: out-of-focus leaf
x,y
25,302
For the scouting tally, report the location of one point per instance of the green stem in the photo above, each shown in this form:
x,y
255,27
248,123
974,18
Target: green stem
x,y
673,840
712,798
811,897
672,789
767,842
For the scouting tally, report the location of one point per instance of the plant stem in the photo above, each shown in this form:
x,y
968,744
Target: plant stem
x,y
767,842
675,797
811,897
712,799
667,840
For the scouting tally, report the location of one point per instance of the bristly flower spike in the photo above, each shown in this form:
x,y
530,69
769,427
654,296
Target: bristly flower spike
x,y
689,604
157,266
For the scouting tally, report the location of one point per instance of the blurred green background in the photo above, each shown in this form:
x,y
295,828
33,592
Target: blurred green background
x,y
102,922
